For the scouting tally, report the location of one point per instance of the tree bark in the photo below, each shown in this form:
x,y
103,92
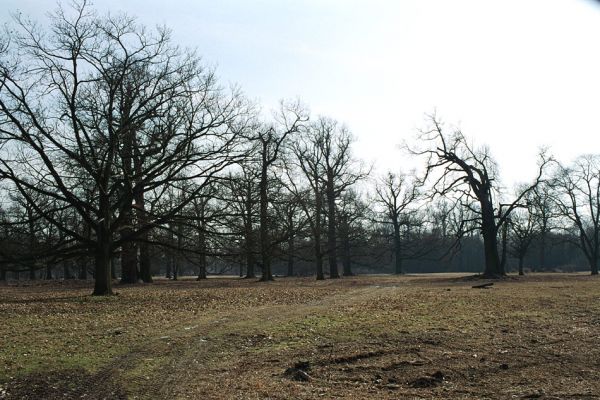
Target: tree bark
x,y
66,271
594,266
290,260
331,228
521,265
345,237
48,272
397,248
317,234
202,257
490,243
129,257
103,256
265,240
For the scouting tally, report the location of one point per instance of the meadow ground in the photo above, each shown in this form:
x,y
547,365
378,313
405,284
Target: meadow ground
x,y
367,337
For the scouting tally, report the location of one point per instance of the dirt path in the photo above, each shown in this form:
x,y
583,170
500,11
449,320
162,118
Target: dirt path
x,y
363,338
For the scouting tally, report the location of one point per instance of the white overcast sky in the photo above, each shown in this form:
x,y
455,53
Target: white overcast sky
x,y
513,74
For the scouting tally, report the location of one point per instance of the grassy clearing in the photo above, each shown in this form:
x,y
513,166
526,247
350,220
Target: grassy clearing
x,y
364,337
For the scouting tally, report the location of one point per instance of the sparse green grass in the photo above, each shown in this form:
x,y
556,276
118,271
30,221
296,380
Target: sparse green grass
x,y
365,337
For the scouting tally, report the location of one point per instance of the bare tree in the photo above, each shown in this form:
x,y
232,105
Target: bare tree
x,y
396,194
351,211
270,140
544,214
522,225
468,175
577,198
75,98
307,158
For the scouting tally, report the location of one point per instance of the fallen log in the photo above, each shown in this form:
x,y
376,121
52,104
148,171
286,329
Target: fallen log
x,y
483,286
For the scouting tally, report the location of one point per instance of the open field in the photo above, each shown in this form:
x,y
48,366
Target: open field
x,y
429,336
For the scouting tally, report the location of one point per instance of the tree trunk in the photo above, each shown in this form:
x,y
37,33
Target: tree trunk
x,y
48,272
129,257
113,268
145,257
103,256
543,252
142,217
249,239
319,259
250,257
66,271
331,228
290,260
318,253
202,269
169,266
83,269
145,260
397,248
594,266
490,243
202,258
177,263
2,274
345,235
265,241
504,248
521,257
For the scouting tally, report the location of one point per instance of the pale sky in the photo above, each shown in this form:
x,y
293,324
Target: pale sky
x,y
513,74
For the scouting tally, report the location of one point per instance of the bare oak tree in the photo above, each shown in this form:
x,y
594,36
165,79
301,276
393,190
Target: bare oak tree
x,y
101,102
577,198
469,176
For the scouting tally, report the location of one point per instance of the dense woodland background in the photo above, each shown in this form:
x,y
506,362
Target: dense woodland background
x,y
123,156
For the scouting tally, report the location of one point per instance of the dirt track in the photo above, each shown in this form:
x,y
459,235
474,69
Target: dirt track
x,y
366,337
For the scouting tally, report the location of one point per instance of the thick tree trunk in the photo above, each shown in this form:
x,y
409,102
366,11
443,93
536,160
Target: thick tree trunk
x,y
331,228
169,266
345,236
249,239
504,248
318,253
250,257
265,240
145,258
202,268
594,266
66,270
521,257
177,262
2,274
202,258
175,266
48,272
103,274
113,268
319,260
129,257
543,252
397,249
290,260
490,243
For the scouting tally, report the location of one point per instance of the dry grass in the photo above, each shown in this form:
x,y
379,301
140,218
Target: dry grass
x,y
366,337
